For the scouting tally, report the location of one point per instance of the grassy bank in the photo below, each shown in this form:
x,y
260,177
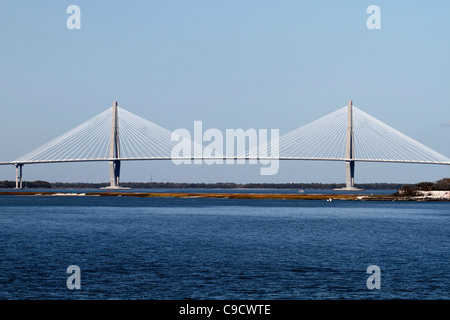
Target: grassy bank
x,y
326,197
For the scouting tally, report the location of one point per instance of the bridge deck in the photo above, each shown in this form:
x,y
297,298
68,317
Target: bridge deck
x,y
222,158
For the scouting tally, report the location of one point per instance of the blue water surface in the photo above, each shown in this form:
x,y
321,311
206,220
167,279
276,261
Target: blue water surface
x,y
169,248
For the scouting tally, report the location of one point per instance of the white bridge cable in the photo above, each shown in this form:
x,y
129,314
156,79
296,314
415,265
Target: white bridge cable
x,y
326,138
142,139
73,145
82,148
376,140
322,139
76,142
318,139
58,149
138,139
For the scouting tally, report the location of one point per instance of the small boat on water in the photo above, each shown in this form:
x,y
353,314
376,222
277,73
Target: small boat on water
x,y
301,191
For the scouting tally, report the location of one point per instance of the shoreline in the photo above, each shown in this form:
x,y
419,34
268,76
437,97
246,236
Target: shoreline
x,y
187,195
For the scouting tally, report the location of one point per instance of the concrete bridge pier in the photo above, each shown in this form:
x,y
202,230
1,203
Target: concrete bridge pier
x,y
114,174
19,181
349,175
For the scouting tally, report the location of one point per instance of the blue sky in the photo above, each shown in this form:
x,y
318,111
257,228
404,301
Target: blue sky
x,y
231,64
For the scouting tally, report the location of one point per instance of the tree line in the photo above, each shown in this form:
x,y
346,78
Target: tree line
x,y
26,184
443,184
411,190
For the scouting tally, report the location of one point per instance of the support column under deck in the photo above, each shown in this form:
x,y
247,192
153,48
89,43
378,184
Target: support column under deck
x,y
19,176
114,173
349,174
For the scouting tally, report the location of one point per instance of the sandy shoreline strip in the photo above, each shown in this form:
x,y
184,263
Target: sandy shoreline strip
x,y
327,197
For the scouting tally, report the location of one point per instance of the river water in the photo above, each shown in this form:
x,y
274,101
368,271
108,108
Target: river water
x,y
171,248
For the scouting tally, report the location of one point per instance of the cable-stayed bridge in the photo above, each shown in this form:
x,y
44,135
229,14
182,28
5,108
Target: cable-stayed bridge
x,y
348,134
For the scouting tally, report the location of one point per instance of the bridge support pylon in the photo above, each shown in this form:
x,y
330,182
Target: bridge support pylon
x,y
19,181
350,175
114,174
114,151
350,152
